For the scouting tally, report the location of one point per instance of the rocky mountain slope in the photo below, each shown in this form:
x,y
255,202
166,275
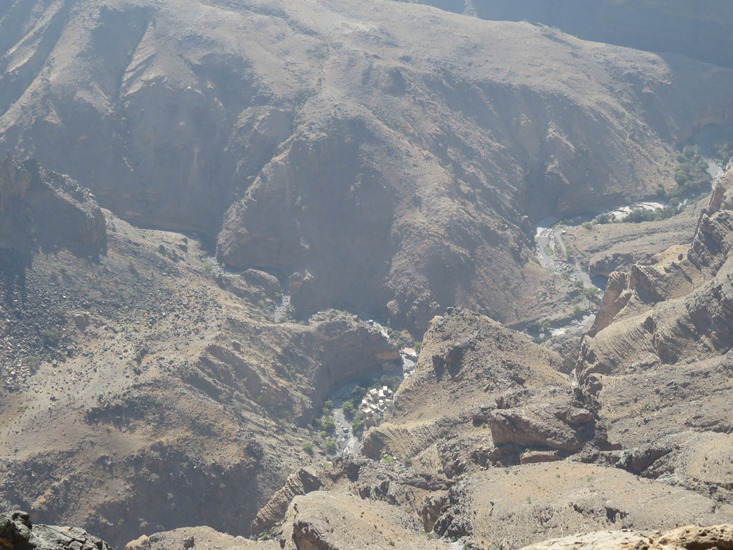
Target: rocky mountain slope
x,y
492,444
135,376
378,170
254,181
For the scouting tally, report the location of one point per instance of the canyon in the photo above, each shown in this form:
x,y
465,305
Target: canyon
x,y
220,220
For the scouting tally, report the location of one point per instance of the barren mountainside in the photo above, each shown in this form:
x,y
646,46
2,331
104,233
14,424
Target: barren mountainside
x,y
324,135
337,274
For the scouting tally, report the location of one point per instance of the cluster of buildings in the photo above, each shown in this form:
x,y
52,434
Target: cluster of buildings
x,y
375,404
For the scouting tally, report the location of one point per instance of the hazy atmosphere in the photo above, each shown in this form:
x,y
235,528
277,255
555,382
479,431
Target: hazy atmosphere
x,y
344,274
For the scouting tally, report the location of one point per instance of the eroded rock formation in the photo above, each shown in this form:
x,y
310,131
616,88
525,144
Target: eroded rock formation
x,y
42,210
18,533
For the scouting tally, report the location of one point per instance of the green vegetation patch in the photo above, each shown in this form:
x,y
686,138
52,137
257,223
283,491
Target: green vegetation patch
x,y
692,174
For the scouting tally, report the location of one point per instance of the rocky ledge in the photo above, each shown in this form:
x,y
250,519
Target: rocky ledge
x,y
703,538
18,533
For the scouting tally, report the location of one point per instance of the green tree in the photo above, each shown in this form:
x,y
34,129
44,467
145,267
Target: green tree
x,y
692,173
349,409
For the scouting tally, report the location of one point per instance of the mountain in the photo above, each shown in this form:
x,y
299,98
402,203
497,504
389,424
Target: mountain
x,y
218,217
383,166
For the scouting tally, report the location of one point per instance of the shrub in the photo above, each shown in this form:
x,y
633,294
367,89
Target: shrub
x,y
308,447
349,409
692,173
331,446
52,337
33,362
357,427
357,394
604,218
591,292
328,425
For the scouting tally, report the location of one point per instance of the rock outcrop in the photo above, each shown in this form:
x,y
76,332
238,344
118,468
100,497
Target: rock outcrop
x,y
497,373
535,502
18,533
680,303
197,538
42,210
658,358
555,425
335,521
299,483
703,538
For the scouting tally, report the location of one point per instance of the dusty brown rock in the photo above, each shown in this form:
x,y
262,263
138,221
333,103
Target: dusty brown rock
x,y
197,538
528,504
299,483
715,536
467,355
712,537
315,162
337,521
370,180
599,540
692,298
173,373
554,426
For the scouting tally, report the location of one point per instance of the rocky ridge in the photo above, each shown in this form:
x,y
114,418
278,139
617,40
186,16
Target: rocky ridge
x,y
696,30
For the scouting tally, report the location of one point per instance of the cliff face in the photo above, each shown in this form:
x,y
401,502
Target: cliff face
x,y
679,306
44,210
379,157
381,181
